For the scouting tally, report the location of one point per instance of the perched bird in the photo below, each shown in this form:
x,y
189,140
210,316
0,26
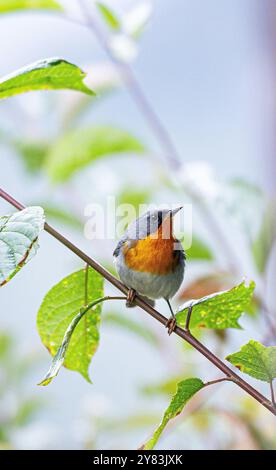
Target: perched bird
x,y
150,261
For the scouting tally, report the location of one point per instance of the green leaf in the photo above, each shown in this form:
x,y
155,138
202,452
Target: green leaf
x,y
110,18
266,237
83,146
7,6
18,240
5,345
199,250
26,411
185,391
62,350
256,360
33,154
60,306
220,310
115,319
48,74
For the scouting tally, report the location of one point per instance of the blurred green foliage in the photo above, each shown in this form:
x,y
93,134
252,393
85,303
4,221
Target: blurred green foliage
x,y
47,74
84,146
14,371
7,6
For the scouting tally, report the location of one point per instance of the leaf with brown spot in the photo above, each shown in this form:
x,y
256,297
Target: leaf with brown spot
x,y
220,310
256,360
18,240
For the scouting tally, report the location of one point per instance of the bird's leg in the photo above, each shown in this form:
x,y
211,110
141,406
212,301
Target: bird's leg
x,y
171,323
130,297
188,319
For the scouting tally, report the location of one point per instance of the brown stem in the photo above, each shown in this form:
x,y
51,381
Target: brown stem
x,y
217,381
86,284
188,319
187,336
272,394
135,91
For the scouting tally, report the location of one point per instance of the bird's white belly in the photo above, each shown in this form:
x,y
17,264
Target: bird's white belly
x,y
153,286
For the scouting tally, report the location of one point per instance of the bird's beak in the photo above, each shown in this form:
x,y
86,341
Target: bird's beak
x,y
175,211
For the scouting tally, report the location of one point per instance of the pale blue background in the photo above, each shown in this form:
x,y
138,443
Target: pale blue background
x,y
205,68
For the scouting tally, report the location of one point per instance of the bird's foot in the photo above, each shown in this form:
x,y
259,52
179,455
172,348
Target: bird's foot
x,y
171,324
130,297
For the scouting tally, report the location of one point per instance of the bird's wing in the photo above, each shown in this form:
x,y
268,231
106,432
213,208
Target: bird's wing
x,y
124,241
119,246
179,251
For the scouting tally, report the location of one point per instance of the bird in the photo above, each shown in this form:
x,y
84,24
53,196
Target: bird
x,y
150,261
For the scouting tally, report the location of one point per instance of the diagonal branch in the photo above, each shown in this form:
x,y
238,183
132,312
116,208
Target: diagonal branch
x,y
186,335
272,394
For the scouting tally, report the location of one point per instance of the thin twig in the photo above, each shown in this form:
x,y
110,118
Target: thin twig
x,y
86,284
188,319
272,393
187,336
59,357
135,90
217,381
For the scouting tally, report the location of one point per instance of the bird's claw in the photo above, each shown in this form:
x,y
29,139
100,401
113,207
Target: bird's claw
x,y
130,297
171,324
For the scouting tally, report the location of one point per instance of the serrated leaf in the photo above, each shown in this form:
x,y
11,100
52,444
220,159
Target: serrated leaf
x,y
109,16
265,239
77,149
59,357
186,389
7,6
256,360
18,240
220,310
60,306
47,74
199,250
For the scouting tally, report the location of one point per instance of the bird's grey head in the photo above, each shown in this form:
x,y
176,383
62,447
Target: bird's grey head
x,y
150,222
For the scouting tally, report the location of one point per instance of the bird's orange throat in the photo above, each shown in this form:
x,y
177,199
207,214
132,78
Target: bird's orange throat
x,y
154,254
